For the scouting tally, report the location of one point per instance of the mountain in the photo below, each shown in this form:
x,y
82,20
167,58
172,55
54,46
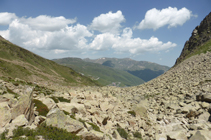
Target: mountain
x,y
199,42
142,69
174,106
16,62
101,73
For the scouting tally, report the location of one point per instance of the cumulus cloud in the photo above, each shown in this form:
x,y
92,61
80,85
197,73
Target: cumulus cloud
x,y
59,35
109,22
124,43
172,17
45,33
68,38
47,23
6,18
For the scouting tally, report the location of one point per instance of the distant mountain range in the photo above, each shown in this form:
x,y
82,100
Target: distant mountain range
x,y
103,74
142,69
113,70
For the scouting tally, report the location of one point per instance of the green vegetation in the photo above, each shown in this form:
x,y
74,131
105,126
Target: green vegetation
x,y
11,92
45,91
47,132
17,62
54,99
59,99
122,132
41,108
102,74
133,113
137,135
65,112
62,99
95,127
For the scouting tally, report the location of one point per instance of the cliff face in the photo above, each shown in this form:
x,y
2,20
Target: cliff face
x,y
200,35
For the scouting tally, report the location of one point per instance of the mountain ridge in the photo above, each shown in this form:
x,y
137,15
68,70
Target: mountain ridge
x,y
200,36
20,63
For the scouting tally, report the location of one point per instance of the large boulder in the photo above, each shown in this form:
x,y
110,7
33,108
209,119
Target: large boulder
x,y
24,106
93,135
5,115
201,135
207,97
57,118
20,121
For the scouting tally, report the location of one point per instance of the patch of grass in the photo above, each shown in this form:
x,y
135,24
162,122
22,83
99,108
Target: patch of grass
x,y
95,127
65,112
122,132
62,99
41,108
11,92
132,112
137,135
3,135
43,90
73,116
54,99
47,132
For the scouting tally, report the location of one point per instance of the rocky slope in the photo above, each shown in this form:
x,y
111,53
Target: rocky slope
x,y
200,35
176,105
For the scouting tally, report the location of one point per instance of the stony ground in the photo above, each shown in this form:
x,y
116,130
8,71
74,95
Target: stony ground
x,y
174,106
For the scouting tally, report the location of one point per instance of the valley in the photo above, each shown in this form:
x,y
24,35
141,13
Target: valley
x,y
40,99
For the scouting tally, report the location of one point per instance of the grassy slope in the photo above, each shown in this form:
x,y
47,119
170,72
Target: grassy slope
x,y
107,75
18,62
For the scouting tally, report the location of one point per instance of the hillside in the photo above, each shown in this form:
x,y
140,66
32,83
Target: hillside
x,y
199,42
103,74
174,106
16,62
142,69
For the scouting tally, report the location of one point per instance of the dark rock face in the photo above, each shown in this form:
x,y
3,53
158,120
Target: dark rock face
x,y
200,35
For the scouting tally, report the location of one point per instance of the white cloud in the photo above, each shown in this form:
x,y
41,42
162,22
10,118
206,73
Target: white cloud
x,y
125,43
68,38
56,35
47,23
172,17
6,18
109,22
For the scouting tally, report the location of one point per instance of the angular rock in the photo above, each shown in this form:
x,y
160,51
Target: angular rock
x,y
25,106
5,115
57,118
20,121
198,136
207,98
177,135
93,135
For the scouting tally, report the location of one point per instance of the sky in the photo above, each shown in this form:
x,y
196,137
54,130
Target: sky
x,y
143,30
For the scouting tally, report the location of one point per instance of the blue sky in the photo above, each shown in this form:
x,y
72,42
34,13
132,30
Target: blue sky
x,y
143,30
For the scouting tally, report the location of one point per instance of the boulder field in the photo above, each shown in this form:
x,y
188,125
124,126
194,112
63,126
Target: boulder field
x,y
174,106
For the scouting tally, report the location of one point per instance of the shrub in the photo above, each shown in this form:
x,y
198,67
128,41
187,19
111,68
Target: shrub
x,y
122,132
55,99
47,132
41,108
133,113
62,99
137,135
95,127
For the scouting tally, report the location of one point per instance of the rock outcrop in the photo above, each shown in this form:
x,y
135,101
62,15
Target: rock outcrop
x,y
200,35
